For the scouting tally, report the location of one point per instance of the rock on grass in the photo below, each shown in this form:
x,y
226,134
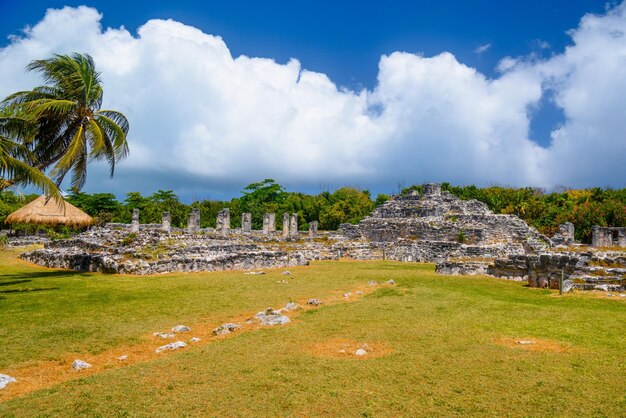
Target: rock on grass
x,y
225,329
80,365
171,346
5,380
181,328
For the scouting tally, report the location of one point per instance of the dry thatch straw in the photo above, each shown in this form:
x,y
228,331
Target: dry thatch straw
x,y
42,211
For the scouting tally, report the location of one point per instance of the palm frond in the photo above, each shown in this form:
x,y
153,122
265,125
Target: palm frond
x,y
75,150
106,148
96,138
49,107
15,171
116,126
79,171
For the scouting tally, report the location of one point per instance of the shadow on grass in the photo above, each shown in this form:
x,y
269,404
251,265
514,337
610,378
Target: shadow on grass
x,y
42,274
36,289
14,282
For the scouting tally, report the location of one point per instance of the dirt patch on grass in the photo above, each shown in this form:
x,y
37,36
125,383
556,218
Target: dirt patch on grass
x,y
535,344
345,348
43,374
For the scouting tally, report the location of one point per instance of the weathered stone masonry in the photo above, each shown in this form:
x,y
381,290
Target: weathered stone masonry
x,y
463,237
608,237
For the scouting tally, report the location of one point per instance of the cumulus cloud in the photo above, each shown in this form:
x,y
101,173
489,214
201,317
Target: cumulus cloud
x,y
202,119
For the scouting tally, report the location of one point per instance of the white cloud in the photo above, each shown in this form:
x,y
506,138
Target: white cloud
x,y
201,116
590,86
482,48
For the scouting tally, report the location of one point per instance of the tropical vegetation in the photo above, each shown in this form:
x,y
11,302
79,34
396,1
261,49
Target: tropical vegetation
x,y
59,126
545,211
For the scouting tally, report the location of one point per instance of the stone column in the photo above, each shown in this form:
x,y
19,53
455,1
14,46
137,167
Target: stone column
x,y
266,224
599,237
223,222
246,223
272,223
293,225
134,223
285,225
193,226
313,229
166,224
566,231
621,237
432,189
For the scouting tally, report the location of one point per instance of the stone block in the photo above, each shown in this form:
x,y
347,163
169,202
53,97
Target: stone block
x,y
246,223
285,225
293,225
134,223
166,224
313,229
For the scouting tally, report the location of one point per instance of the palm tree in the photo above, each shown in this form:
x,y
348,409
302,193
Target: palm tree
x,y
71,129
17,161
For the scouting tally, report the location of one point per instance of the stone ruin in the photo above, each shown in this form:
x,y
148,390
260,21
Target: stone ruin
x,y
461,236
608,237
438,225
158,248
269,224
565,235
567,263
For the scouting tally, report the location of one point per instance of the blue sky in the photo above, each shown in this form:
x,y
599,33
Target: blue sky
x,y
346,40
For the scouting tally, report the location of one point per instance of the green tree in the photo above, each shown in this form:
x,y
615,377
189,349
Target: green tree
x,y
166,201
11,201
347,205
103,207
71,129
260,198
381,198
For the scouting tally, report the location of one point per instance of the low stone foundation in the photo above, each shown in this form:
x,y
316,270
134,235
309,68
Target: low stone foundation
x,y
117,263
584,271
151,251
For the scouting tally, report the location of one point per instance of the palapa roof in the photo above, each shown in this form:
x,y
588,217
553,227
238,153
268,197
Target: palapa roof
x,y
44,211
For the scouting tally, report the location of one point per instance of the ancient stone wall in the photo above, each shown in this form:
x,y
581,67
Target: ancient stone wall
x,y
150,251
608,237
565,235
463,237
440,216
585,271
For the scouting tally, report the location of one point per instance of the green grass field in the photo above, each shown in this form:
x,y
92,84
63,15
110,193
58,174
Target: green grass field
x,y
441,345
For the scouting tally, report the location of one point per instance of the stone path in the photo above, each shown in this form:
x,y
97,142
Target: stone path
x,y
41,375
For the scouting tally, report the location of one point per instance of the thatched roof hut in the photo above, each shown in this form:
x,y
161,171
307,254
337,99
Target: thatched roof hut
x,y
44,211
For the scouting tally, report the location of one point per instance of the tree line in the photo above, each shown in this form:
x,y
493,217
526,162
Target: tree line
x,y
545,211
330,209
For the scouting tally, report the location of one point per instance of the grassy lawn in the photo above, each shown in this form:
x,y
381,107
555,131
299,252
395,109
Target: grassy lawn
x,y
441,345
